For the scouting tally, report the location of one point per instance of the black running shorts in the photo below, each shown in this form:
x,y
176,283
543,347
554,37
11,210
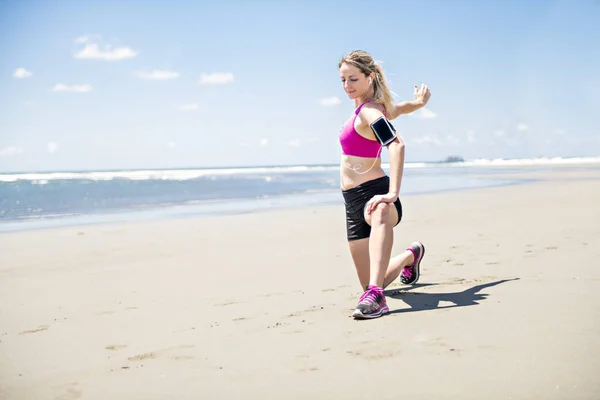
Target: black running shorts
x,y
356,199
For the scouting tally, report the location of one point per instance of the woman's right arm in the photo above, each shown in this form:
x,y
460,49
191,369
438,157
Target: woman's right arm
x,y
406,107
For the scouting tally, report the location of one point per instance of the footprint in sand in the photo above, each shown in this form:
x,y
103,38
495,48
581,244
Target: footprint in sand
x,y
311,369
273,294
154,354
145,356
431,342
335,288
376,352
39,329
227,303
308,310
182,358
277,325
115,347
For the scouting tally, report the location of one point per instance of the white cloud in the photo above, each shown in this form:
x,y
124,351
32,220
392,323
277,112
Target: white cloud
x,y
157,74
424,113
61,87
330,101
93,51
171,145
22,73
216,78
314,140
294,143
10,151
52,147
560,132
188,107
499,133
522,127
427,140
263,142
86,38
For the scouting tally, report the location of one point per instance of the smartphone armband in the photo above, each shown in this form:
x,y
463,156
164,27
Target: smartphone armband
x,y
384,131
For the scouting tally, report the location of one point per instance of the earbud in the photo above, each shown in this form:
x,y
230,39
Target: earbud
x,y
370,81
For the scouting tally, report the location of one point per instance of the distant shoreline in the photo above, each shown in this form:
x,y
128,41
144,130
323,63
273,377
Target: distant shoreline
x,y
479,162
246,204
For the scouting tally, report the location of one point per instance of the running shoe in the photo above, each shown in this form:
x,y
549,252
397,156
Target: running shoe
x,y
410,274
371,304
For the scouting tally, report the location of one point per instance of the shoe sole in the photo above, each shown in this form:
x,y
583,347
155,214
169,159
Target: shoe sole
x,y
358,315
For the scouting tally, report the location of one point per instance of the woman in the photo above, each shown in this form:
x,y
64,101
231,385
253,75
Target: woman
x,y
373,207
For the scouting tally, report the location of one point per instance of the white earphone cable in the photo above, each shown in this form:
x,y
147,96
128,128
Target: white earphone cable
x,y
356,167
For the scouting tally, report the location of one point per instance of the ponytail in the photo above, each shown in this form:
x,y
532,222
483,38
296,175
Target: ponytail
x,y
383,94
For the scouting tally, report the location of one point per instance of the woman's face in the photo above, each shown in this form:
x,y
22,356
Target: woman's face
x,y
354,81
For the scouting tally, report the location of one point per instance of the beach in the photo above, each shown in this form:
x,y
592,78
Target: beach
x,y
257,305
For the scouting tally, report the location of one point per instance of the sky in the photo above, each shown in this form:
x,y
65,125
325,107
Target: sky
x,y
128,84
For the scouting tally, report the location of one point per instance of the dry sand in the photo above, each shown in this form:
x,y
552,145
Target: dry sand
x,y
257,306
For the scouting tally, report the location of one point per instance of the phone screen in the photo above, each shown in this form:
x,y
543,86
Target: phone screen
x,y
384,131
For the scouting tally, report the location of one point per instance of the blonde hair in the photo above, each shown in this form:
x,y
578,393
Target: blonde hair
x,y
365,63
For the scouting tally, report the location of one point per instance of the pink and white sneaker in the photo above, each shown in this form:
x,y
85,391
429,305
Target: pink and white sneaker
x,y
410,274
371,304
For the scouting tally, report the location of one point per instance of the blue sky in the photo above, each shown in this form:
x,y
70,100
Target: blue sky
x,y
166,84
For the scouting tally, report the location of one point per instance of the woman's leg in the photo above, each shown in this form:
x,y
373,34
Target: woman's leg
x,y
372,303
382,221
359,249
396,265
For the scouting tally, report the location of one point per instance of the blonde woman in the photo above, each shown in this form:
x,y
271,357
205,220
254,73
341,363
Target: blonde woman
x,y
373,206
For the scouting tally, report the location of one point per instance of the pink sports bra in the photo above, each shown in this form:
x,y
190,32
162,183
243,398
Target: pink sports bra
x,y
353,144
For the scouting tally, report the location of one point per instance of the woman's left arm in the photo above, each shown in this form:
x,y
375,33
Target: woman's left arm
x,y
396,151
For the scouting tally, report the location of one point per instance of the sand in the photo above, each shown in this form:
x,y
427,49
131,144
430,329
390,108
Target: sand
x,y
257,306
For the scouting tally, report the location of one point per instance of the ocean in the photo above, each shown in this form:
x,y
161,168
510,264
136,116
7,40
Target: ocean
x,y
50,199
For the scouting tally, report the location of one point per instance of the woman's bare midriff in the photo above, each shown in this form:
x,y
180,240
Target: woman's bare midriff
x,y
350,178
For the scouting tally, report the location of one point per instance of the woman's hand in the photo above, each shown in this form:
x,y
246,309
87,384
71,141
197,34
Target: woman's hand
x,y
406,107
380,198
422,95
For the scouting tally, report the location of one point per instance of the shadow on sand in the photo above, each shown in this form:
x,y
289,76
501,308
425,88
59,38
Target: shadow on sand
x,y
419,301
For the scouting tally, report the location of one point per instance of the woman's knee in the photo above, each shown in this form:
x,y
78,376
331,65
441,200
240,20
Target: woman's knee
x,y
381,213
